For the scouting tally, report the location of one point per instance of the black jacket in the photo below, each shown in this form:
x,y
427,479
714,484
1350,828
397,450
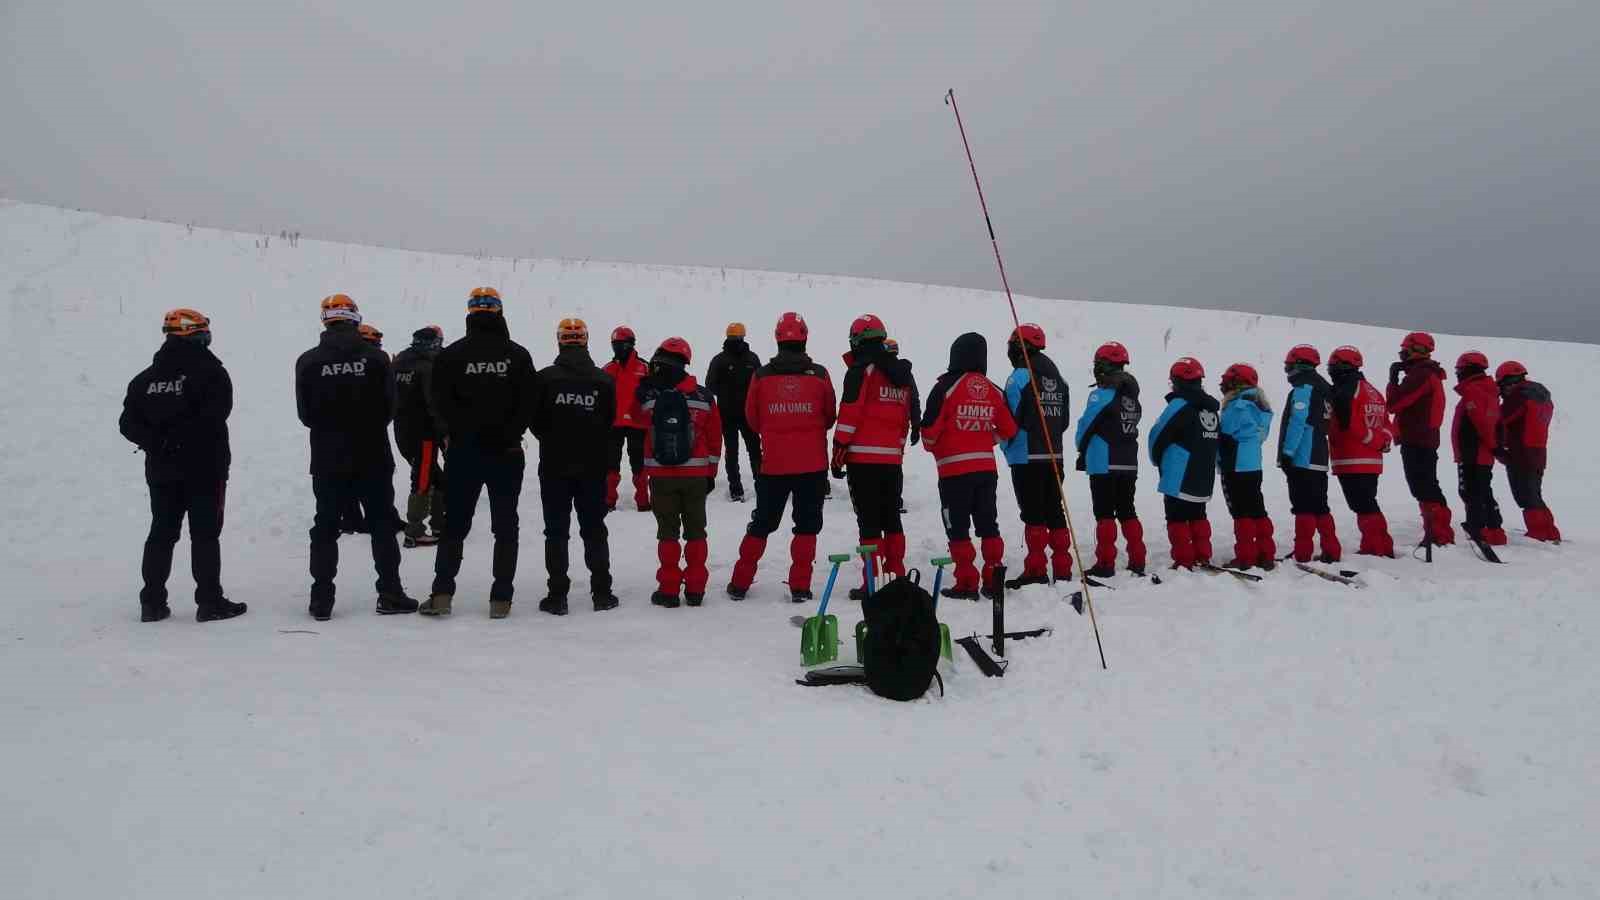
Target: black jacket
x,y
176,411
574,405
414,421
1116,423
344,391
1195,428
483,386
968,353
728,378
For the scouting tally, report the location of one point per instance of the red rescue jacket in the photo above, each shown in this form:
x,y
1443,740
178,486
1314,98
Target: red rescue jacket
x,y
1473,433
972,418
628,374
1525,414
1417,403
874,418
791,404
705,423
1358,433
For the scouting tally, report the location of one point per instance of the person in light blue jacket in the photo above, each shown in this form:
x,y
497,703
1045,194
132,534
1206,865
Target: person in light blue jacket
x,y
1246,422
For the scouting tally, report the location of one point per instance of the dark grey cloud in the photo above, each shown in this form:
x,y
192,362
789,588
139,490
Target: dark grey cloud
x,y
1408,163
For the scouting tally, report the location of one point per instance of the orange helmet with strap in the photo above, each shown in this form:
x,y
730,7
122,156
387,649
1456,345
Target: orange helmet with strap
x,y
340,308
184,322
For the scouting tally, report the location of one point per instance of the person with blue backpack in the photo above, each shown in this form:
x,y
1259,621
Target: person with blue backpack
x,y
1183,445
1246,419
1303,453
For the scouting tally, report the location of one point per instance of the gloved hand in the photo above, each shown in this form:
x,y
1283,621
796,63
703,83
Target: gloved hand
x,y
836,466
916,435
1285,462
1502,454
711,483
1082,465
1396,369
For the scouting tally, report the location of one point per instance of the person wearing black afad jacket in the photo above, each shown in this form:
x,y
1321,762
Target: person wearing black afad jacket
x,y
344,392
176,411
418,435
483,395
728,379
574,405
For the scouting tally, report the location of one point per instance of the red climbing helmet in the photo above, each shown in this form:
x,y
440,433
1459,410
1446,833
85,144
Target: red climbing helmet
x,y
1030,334
677,346
1419,342
866,328
1347,356
791,327
1240,373
1111,352
1472,359
622,333
1303,355
1510,369
1187,368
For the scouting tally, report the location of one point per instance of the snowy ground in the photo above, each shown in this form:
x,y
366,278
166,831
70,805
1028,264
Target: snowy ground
x,y
1432,735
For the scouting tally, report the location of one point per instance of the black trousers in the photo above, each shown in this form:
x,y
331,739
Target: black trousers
x,y
1360,492
1037,495
472,469
334,493
201,501
414,457
1476,486
1527,486
875,494
560,497
1184,510
773,493
1422,473
1242,491
1112,495
1308,491
968,505
633,440
732,431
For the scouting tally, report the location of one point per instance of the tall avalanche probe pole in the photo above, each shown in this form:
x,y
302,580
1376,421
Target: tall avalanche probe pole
x,y
1027,359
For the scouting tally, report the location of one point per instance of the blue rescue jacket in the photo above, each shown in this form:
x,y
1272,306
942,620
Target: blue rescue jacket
x,y
1303,433
1108,430
1029,444
1246,420
1183,445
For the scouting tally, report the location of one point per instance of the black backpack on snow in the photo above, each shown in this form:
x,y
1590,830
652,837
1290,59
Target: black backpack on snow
x,y
902,640
671,429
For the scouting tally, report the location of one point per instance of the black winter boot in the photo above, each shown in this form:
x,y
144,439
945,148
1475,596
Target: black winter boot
x,y
394,602
216,612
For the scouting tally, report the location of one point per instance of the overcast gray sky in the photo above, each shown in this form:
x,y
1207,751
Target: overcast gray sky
x,y
1404,162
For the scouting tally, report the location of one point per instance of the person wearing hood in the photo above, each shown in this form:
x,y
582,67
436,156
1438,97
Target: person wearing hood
x,y
728,379
791,405
1107,439
1183,446
573,408
1526,409
1037,397
417,433
965,417
1358,438
869,443
1474,435
176,411
627,431
1303,454
345,395
1246,421
1415,398
483,396
681,447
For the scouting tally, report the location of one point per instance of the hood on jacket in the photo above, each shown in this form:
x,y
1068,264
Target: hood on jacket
x,y
1248,395
179,349
736,345
969,353
574,358
788,361
488,323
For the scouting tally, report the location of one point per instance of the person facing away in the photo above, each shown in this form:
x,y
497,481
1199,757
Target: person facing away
x,y
1039,403
1526,409
344,391
483,395
417,433
573,408
1107,440
728,379
1183,446
1246,421
1358,438
965,417
1415,397
1303,454
681,447
176,411
627,432
1474,434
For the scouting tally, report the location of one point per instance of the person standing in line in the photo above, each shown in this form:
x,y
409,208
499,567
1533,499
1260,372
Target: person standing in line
x,y
791,405
1416,401
483,396
1035,456
728,379
965,417
345,395
1358,437
891,349
1108,451
869,443
627,369
419,437
681,446
1474,434
574,406
176,411
1525,413
1183,446
1246,421
1303,454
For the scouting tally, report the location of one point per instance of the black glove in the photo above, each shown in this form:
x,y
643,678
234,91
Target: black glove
x,y
1396,369
711,483
1285,462
1082,465
916,436
837,472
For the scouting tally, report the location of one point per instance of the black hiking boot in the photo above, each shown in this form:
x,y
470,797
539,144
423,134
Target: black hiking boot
x,y
216,612
664,600
1136,570
605,601
395,603
321,613
1268,564
737,593
736,493
858,594
694,599
959,594
154,613
800,597
555,606
1101,571
421,540
1022,581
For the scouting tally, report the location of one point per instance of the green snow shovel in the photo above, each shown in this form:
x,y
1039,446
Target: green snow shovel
x,y
867,553
944,630
819,635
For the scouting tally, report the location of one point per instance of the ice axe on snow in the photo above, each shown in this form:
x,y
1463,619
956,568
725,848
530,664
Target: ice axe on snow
x,y
819,635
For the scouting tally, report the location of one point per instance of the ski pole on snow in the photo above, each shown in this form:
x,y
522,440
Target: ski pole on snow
x,y
1027,359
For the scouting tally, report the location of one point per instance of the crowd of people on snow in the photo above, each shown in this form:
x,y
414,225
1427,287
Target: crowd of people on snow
x,y
460,412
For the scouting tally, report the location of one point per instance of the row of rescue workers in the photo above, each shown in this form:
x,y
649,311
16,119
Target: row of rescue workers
x,y
460,411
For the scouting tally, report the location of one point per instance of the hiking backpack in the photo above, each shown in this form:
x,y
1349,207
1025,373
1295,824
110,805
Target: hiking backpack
x,y
902,640
671,429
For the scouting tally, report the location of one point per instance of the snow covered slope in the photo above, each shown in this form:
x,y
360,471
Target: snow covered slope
x,y
1433,735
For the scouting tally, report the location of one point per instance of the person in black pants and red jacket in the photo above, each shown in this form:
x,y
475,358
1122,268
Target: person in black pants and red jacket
x,y
728,379
574,405
1474,434
1416,402
176,411
1525,413
344,392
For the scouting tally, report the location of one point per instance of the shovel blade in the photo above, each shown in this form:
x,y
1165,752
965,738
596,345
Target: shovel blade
x,y
819,640
944,642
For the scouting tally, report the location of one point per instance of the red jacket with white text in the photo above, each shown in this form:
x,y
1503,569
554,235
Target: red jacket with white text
x,y
705,423
966,422
791,405
1358,433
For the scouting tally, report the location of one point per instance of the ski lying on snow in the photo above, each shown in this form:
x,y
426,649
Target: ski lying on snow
x,y
1343,576
1219,570
1486,552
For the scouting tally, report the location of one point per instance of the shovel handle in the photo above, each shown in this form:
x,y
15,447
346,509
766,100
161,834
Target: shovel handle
x,y
938,575
827,590
867,552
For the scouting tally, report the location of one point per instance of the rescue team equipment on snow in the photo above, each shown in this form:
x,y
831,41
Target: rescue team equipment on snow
x,y
819,635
